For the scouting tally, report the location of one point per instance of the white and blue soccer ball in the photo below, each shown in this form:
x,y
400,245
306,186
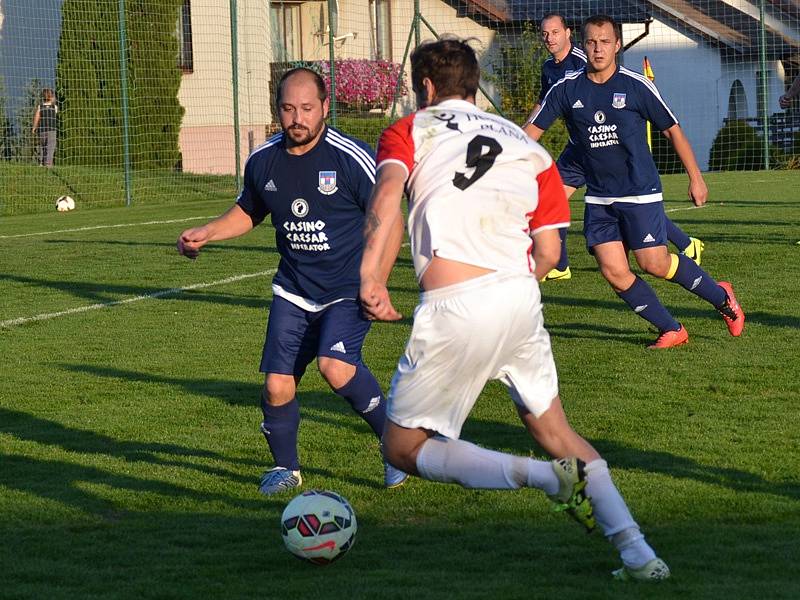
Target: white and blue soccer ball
x,y
65,204
318,526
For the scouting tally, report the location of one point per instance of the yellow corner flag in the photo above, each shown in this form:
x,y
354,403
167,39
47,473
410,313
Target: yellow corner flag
x,y
647,71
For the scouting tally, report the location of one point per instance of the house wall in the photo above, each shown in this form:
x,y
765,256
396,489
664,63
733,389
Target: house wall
x,y
207,136
444,20
689,77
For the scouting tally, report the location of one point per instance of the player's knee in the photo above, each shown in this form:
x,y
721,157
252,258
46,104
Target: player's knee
x,y
656,267
620,277
336,372
279,389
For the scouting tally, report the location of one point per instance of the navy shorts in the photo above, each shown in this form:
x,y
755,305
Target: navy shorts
x,y
570,167
296,336
635,225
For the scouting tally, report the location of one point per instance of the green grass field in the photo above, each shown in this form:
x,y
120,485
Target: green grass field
x,y
130,451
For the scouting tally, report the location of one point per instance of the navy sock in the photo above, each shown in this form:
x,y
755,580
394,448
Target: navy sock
x,y
365,396
676,235
280,428
563,261
644,302
697,281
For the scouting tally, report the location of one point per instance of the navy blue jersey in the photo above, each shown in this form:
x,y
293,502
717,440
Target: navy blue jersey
x,y
316,202
552,71
607,122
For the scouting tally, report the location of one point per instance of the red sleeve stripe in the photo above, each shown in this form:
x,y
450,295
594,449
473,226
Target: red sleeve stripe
x,y
552,210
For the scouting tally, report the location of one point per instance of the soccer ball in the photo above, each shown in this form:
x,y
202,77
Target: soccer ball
x,y
318,526
64,203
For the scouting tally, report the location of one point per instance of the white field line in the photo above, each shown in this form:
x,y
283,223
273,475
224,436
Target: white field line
x,y
88,228
159,294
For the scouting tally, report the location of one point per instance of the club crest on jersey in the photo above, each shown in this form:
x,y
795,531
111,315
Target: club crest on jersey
x,y
327,182
618,101
299,208
599,117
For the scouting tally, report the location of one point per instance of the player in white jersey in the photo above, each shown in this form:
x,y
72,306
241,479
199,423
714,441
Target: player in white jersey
x,y
478,188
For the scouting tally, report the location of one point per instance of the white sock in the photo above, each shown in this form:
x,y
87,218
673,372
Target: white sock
x,y
456,461
613,516
610,510
634,551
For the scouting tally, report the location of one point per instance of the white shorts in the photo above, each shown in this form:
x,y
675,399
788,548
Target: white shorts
x,y
490,327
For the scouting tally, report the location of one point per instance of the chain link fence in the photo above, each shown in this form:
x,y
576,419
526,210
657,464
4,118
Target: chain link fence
x,y
163,100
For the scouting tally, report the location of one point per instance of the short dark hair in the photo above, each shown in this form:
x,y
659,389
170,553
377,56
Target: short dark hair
x,y
599,21
554,15
322,90
450,63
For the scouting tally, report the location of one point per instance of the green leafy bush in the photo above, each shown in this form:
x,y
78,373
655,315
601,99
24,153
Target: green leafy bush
x,y
738,147
367,129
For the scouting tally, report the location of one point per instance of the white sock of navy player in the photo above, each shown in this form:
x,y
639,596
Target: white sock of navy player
x,y
613,516
365,396
456,461
280,427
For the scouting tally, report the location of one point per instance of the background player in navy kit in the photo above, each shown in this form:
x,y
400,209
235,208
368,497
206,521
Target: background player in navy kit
x,y
566,59
605,108
314,183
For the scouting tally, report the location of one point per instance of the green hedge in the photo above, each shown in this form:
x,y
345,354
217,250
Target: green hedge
x,y
367,129
90,92
738,147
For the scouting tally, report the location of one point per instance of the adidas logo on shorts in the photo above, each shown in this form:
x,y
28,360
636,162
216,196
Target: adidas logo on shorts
x,y
338,347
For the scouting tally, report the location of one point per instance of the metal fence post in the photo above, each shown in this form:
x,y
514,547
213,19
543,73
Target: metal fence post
x,y
235,82
332,58
762,60
123,75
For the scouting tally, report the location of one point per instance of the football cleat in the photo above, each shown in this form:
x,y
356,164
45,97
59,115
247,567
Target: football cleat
x,y
556,274
670,339
731,311
654,570
571,497
393,477
278,480
694,250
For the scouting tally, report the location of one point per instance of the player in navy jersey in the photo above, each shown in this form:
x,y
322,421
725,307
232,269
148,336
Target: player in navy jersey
x,y
313,181
605,108
566,59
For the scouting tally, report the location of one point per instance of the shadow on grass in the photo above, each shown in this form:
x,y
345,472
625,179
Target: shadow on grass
x,y
27,427
503,435
101,293
703,310
324,408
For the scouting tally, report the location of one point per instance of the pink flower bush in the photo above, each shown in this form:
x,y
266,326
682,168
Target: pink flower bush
x,y
363,83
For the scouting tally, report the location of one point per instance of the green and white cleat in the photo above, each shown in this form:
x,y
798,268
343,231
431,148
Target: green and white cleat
x,y
571,497
695,250
654,570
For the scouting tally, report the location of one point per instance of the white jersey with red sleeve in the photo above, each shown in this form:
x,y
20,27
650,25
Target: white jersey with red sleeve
x,y
477,186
